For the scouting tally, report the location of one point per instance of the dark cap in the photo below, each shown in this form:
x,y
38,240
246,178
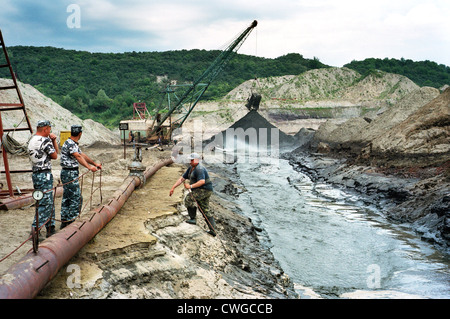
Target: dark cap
x,y
76,129
43,123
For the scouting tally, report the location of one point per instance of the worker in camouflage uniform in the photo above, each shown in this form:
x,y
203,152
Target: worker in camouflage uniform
x,y
71,157
42,148
200,190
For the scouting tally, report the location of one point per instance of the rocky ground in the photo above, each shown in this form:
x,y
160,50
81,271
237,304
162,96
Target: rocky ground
x,y
399,159
420,199
148,251
397,156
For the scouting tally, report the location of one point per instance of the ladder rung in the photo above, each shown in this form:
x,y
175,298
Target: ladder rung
x,y
7,87
16,129
12,108
11,104
19,171
4,65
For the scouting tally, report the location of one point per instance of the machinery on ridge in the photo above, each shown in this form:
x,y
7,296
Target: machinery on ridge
x,y
180,99
253,102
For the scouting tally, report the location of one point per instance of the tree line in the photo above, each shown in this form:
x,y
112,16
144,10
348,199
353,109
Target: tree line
x,y
423,73
104,86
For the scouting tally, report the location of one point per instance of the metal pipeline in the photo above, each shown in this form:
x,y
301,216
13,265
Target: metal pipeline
x,y
21,201
26,278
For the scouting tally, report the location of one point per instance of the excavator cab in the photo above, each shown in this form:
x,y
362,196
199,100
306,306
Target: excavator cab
x,y
253,102
183,104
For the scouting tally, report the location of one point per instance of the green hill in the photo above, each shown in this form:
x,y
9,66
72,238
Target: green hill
x,y
105,85
423,73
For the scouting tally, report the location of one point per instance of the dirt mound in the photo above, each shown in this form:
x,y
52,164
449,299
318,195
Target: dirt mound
x,y
327,87
39,107
310,85
399,112
374,130
379,88
255,120
423,138
253,127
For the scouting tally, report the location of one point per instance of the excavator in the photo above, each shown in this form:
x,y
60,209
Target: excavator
x,y
179,100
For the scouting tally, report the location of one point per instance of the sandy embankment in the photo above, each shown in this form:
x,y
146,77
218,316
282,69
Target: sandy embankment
x,y
148,251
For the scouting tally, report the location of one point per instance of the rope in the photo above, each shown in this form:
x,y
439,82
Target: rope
x,y
11,145
12,252
53,206
14,147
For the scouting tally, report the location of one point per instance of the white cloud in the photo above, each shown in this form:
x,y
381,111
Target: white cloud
x,y
334,31
339,31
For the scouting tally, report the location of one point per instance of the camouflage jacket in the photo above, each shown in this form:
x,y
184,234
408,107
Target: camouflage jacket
x,y
39,150
67,150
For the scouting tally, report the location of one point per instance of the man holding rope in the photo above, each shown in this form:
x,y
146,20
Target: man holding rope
x,y
200,190
42,148
71,156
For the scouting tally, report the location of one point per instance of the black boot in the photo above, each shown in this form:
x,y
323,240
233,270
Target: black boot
x,y
192,211
51,231
65,223
212,226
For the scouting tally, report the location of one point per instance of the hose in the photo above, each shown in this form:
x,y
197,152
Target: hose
x,y
14,147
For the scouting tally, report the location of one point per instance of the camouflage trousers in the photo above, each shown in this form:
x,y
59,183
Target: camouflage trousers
x,y
46,209
72,200
200,196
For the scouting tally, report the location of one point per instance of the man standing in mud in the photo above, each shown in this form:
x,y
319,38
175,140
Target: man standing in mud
x,y
71,155
200,190
42,148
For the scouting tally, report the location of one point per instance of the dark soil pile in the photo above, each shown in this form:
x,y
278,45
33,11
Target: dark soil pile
x,y
251,123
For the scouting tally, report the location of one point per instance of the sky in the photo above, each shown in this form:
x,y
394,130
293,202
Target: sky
x,y
334,31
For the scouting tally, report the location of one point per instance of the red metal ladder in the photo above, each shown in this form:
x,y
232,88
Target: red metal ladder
x,y
11,107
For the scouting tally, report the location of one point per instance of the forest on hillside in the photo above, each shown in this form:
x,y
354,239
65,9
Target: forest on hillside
x,y
104,86
423,73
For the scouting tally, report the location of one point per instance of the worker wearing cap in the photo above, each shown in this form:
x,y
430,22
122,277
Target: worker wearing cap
x,y
201,190
42,148
71,157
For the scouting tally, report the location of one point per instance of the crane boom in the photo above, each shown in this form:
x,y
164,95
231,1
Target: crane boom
x,y
195,90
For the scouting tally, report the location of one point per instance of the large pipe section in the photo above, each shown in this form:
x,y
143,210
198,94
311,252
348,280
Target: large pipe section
x,y
21,201
26,278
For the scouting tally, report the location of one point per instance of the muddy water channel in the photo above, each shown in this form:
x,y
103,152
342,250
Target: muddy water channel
x,y
332,242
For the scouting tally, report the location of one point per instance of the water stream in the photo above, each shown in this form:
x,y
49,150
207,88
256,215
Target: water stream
x,y
330,241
